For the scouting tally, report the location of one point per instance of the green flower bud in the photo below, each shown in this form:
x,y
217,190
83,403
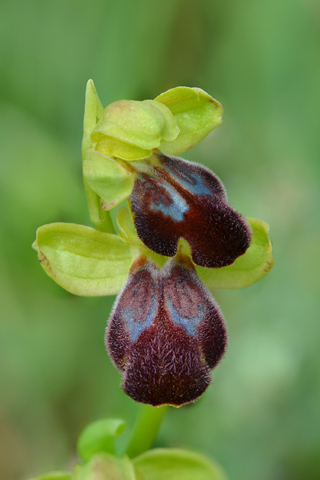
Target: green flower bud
x,y
105,467
99,437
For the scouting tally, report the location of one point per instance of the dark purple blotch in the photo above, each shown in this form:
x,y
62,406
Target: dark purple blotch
x,y
167,361
183,199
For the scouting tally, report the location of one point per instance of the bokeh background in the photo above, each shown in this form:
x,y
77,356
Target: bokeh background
x,y
260,417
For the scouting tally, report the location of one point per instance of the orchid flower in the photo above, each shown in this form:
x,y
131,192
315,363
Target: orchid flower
x,y
177,241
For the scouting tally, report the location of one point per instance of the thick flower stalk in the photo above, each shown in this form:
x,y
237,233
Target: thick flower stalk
x,y
177,240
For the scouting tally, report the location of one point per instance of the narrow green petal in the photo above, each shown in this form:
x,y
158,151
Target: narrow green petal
x,y
117,148
250,267
127,230
93,110
196,114
100,218
82,260
111,180
176,464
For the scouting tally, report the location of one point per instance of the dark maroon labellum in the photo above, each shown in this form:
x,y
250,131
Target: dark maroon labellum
x,y
165,333
183,199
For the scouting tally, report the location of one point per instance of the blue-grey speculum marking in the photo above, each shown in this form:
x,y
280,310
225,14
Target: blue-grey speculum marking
x,y
135,326
188,323
176,210
198,188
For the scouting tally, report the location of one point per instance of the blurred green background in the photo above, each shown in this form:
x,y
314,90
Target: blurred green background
x,y
260,417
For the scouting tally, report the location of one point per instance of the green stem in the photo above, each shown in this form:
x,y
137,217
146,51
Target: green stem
x,y
145,430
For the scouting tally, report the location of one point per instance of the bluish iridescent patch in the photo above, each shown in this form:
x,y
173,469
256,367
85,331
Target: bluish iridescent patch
x,y
188,323
136,326
176,210
198,187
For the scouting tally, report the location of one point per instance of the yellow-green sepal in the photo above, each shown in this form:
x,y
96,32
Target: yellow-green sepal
x,y
110,179
93,110
196,114
83,260
130,129
250,267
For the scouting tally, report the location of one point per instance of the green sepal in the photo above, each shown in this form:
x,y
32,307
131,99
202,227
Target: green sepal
x,y
247,269
176,464
82,260
196,114
104,466
130,129
54,476
111,180
99,437
92,112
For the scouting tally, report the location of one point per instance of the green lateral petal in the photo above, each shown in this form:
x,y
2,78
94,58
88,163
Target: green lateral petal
x,y
176,464
100,218
116,148
127,230
196,114
130,130
250,267
82,260
99,437
109,179
93,110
